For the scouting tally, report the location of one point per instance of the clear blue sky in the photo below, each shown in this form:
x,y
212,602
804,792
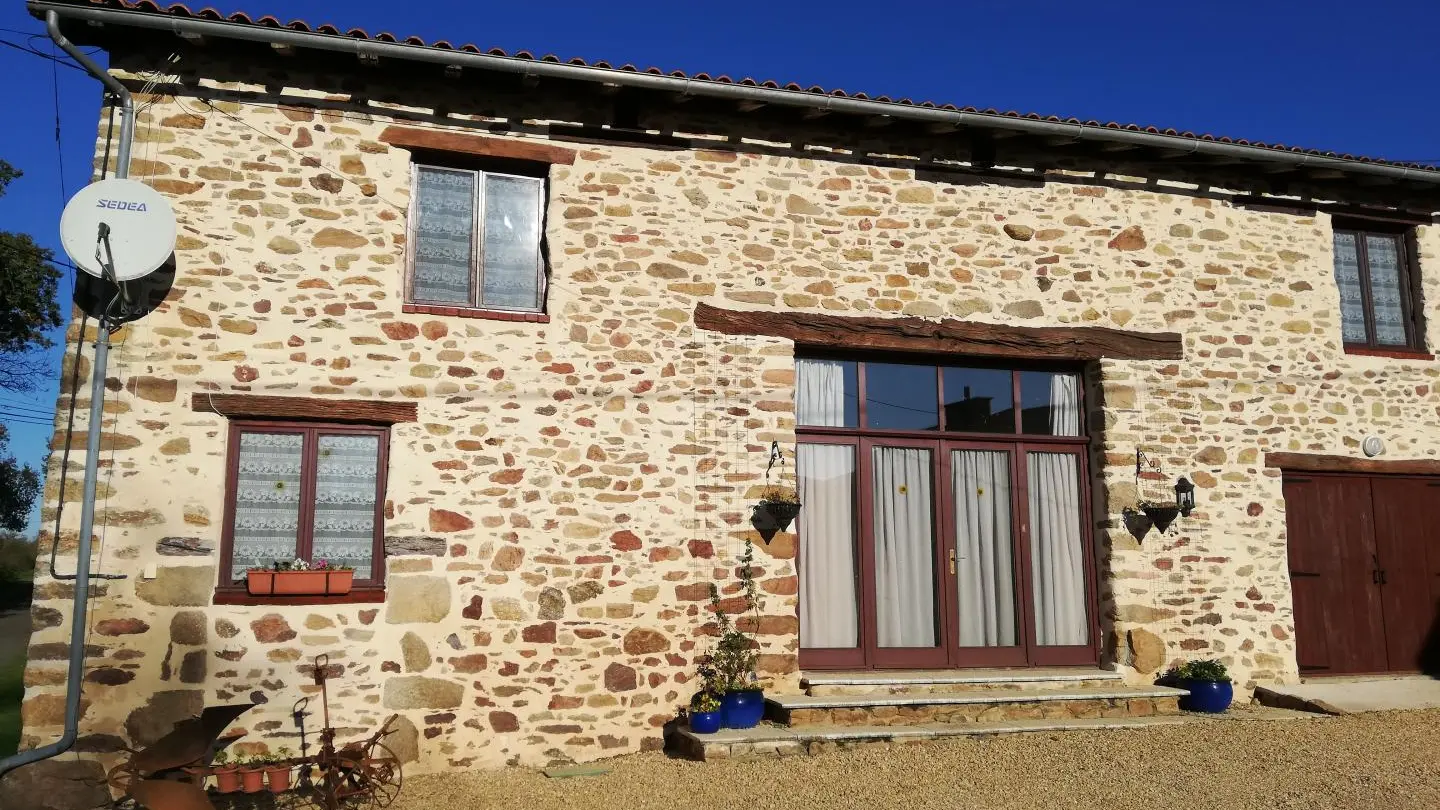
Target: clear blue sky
x,y
1343,75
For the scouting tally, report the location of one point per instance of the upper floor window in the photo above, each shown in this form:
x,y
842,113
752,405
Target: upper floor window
x,y
475,239
302,491
1376,275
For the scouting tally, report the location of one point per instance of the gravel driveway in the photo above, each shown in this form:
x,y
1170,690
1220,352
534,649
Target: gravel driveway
x,y
1389,760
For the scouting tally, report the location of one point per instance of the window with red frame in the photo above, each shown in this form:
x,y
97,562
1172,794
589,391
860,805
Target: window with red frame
x,y
313,492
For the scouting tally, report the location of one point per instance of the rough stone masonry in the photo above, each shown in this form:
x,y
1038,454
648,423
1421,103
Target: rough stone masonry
x,y
571,488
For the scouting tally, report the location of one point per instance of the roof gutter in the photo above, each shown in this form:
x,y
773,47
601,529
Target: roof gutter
x,y
699,87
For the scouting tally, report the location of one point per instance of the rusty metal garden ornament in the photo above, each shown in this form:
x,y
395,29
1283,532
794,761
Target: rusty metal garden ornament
x,y
170,774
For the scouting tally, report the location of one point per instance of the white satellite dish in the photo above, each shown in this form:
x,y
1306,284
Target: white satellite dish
x,y
124,223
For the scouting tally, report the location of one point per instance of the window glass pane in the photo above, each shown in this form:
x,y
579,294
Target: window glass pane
x,y
512,243
829,595
1057,572
267,500
1383,252
1050,403
1347,278
902,502
984,571
444,231
826,393
980,400
901,397
346,467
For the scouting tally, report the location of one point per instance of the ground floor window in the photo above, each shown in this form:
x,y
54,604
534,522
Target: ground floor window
x,y
312,492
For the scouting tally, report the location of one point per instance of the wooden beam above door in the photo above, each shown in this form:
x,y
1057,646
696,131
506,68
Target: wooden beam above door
x,y
1315,463
945,336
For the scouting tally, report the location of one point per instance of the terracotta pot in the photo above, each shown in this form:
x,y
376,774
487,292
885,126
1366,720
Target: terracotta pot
x,y
252,780
278,777
227,778
299,583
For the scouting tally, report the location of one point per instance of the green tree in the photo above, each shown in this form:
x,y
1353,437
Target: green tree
x,y
19,486
29,286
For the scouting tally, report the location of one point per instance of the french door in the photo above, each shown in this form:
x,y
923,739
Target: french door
x,y
930,552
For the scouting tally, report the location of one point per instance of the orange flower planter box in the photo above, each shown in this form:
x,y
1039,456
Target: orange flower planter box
x,y
299,583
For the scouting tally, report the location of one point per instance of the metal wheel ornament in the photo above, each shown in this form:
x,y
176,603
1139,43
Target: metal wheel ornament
x,y
356,781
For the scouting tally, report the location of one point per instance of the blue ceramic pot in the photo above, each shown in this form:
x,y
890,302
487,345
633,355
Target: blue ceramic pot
x,y
742,709
705,722
1212,697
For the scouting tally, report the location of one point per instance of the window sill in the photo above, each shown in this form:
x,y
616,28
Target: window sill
x,y
481,314
358,595
1397,353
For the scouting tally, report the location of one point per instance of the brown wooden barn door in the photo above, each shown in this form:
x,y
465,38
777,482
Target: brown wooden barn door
x,y
1406,536
1333,557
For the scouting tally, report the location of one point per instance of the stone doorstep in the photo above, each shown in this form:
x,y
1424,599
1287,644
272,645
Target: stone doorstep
x,y
900,682
800,702
774,741
938,676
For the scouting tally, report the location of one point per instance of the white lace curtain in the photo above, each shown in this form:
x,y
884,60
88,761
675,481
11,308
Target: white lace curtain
x,y
270,479
344,531
444,236
1382,255
267,500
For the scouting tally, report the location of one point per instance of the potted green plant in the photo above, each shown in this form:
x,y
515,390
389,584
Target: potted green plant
x,y
277,771
705,716
781,504
300,578
742,703
252,774
1208,683
227,780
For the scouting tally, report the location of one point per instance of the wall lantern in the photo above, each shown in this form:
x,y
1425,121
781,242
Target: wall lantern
x,y
1185,496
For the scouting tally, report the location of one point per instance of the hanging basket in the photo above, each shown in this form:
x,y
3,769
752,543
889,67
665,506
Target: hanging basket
x,y
783,513
1161,515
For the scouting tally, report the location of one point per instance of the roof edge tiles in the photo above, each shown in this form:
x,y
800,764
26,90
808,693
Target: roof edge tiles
x,y
177,17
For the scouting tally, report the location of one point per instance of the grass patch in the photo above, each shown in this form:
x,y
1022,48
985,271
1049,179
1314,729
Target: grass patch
x,y
12,691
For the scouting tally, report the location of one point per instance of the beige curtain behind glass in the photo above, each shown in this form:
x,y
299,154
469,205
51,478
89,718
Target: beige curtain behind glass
x,y
828,604
984,569
1056,559
904,547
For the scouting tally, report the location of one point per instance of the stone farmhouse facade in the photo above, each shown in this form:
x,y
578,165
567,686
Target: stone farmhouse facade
x,y
565,433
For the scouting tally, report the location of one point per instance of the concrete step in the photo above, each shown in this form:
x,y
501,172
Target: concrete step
x,y
767,740
972,707
924,682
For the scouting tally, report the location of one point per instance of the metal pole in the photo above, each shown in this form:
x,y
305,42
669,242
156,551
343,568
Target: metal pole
x,y
79,627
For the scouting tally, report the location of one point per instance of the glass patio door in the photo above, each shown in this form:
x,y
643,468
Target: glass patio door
x,y
945,517
905,553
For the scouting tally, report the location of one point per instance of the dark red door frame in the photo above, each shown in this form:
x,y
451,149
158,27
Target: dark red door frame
x,y
868,654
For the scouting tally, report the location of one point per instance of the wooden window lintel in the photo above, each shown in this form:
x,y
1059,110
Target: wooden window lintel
x,y
259,406
467,144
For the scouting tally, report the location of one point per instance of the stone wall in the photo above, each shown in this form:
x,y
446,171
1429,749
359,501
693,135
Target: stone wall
x,y
571,488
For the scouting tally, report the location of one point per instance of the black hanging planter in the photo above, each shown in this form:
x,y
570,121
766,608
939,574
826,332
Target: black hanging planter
x,y
1161,515
771,517
784,512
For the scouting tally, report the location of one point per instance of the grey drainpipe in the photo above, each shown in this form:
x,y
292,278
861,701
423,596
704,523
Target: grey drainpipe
x,y
698,87
78,622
